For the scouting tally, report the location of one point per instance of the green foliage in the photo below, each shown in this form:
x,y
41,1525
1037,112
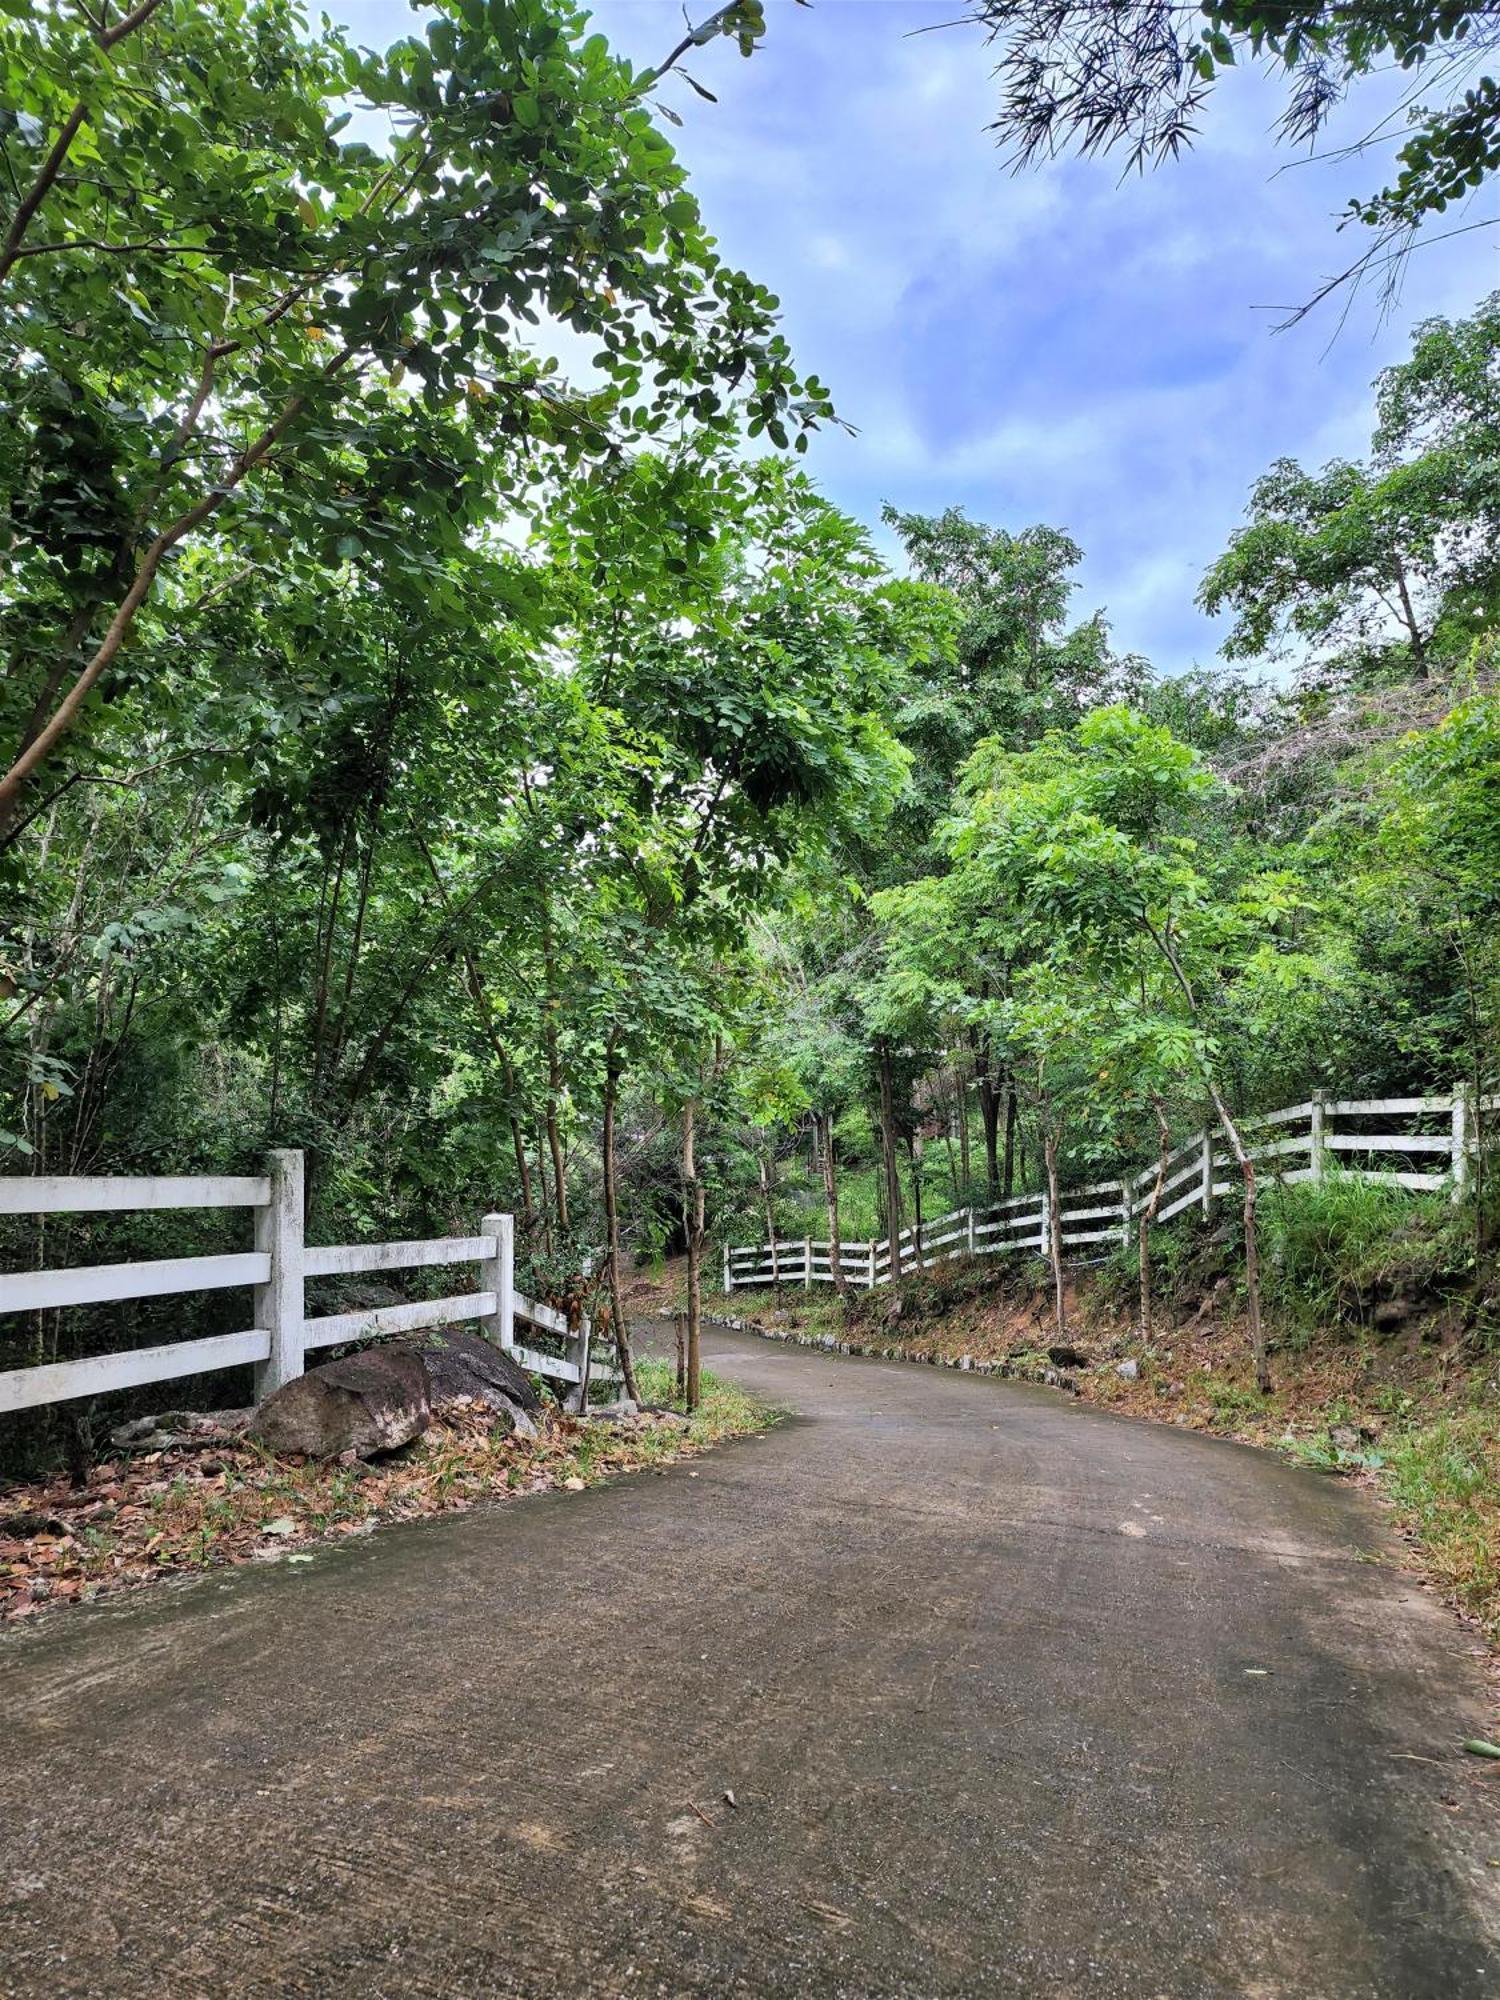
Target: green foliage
x,y
1334,1249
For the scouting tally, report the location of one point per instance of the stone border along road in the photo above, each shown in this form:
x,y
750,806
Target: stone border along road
x,y
1013,1696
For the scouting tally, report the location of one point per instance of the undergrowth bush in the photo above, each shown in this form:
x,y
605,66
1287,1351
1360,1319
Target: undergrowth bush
x,y
1332,1249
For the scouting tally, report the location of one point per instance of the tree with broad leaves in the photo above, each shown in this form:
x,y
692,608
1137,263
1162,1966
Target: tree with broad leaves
x,y
302,346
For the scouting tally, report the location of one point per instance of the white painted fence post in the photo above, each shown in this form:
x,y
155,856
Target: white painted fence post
x,y
1208,1168
1127,1209
971,1228
807,1263
278,1306
1044,1241
1317,1137
1460,1143
497,1274
728,1274
871,1285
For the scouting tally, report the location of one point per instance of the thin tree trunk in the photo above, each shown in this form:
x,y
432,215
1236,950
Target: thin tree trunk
x,y
692,1193
964,1164
989,1112
612,1226
916,1202
1148,1214
1418,645
768,1196
1162,939
1008,1171
1054,1223
888,1153
831,1202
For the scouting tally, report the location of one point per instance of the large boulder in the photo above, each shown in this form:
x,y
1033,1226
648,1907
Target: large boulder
x,y
459,1363
365,1403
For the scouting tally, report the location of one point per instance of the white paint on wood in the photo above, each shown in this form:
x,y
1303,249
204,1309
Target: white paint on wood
x,y
93,1194
336,1328
95,1284
60,1381
330,1260
280,1301
1365,1107
548,1318
1388,1142
497,1274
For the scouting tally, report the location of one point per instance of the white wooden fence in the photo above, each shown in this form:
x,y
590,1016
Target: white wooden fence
x,y
1361,1133
276,1270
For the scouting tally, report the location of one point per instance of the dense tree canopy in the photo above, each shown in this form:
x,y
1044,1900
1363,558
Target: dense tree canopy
x,y
518,786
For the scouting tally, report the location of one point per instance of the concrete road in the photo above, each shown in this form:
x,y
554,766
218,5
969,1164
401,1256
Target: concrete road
x,y
1014,1697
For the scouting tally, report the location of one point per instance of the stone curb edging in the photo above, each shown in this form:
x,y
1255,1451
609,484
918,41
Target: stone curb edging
x,y
825,1343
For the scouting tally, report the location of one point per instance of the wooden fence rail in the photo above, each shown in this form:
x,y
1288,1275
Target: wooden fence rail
x,y
1199,1171
276,1271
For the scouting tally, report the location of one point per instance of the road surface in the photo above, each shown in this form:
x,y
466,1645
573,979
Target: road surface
x,y
1014,1697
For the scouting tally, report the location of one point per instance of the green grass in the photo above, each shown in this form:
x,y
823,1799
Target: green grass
x,y
1445,1481
724,1411
1331,1249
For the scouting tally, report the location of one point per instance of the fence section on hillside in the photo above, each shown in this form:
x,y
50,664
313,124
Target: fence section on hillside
x,y
1423,1143
276,1270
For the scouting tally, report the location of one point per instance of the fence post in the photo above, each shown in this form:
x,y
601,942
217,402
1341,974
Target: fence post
x,y
1126,1211
971,1228
1460,1143
1317,1137
807,1263
1208,1168
278,1302
497,1274
728,1274
1044,1241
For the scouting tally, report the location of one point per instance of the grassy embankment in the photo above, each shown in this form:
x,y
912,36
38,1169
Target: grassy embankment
x,y
1386,1350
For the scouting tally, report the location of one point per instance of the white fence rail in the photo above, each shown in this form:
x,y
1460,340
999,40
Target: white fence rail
x,y
276,1270
1198,1171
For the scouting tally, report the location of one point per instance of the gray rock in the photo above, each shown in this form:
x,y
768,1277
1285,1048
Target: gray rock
x,y
365,1403
1343,1437
1128,1371
459,1363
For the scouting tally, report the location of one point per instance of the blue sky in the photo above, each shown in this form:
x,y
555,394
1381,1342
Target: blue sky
x,y
1061,346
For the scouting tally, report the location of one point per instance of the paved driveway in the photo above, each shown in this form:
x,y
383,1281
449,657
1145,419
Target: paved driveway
x,y
1013,1696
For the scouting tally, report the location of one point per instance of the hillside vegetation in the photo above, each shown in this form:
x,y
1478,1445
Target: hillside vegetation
x,y
529,794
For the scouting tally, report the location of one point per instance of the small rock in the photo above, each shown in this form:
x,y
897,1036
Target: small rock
x,y
1128,1371
1344,1437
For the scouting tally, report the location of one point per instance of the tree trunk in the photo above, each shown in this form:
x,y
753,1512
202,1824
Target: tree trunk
x,y
1008,1172
768,1196
888,1153
1054,1224
1252,1248
523,1172
1148,1215
831,1202
1162,940
989,1112
965,1166
612,1228
692,1205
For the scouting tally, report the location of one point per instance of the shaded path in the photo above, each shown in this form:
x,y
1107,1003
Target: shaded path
x,y
972,1659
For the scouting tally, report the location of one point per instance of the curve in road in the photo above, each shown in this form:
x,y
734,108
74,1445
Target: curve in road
x,y
1013,1697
